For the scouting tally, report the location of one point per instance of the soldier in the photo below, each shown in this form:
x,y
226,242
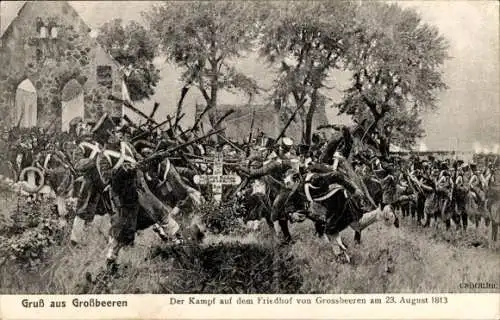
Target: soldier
x,y
426,185
405,196
475,185
459,196
133,205
444,191
286,150
276,174
338,147
389,185
90,194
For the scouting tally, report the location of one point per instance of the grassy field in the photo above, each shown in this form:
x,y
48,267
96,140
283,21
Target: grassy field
x,y
404,260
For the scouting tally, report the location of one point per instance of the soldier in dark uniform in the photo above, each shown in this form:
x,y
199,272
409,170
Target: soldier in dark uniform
x,y
273,173
339,146
91,190
460,197
133,205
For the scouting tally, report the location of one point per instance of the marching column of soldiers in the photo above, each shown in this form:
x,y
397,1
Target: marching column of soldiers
x,y
143,177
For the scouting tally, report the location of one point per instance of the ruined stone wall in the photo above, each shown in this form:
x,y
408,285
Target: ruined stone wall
x,y
50,63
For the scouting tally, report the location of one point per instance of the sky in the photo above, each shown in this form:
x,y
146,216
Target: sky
x,y
469,111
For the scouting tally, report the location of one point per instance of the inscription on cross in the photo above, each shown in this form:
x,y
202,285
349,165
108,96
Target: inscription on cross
x,y
217,179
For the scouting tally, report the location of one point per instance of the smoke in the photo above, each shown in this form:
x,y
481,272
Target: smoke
x,y
496,148
482,148
476,146
422,147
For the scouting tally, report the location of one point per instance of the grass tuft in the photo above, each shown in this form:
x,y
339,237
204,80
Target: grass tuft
x,y
405,260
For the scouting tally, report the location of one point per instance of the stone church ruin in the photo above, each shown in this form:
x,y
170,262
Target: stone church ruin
x,y
53,70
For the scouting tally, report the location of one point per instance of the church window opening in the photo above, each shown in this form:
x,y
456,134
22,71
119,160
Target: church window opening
x,y
104,76
72,103
26,105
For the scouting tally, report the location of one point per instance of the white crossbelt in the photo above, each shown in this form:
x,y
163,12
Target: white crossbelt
x,y
307,186
125,155
95,148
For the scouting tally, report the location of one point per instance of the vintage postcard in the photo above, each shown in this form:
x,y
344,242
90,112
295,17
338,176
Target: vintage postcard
x,y
249,160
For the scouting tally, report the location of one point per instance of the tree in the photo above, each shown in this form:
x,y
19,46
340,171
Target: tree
x,y
309,40
134,48
395,64
204,38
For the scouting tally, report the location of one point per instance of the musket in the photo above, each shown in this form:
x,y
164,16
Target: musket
x,y
144,134
251,133
211,133
360,183
198,119
249,103
178,119
164,153
129,121
282,133
184,91
229,142
329,126
415,183
131,107
155,108
227,114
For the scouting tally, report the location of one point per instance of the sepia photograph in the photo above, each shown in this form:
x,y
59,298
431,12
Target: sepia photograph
x,y
249,147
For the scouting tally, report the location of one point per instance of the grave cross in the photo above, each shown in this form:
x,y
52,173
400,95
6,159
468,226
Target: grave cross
x,y
217,179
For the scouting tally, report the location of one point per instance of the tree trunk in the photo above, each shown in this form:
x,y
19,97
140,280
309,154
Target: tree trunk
x,y
384,147
309,118
213,98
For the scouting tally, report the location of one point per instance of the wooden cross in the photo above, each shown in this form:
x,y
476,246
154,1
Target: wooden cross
x,y
217,179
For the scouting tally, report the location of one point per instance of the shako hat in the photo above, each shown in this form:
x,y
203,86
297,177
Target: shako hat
x,y
266,142
75,121
104,126
444,165
287,141
302,148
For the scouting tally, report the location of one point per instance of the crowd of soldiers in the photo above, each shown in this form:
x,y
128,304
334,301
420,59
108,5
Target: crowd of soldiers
x,y
144,177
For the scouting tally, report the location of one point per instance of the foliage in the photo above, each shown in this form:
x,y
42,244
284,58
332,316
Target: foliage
x,y
203,38
232,268
243,264
31,142
393,57
222,219
31,231
133,47
309,39
395,62
27,139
